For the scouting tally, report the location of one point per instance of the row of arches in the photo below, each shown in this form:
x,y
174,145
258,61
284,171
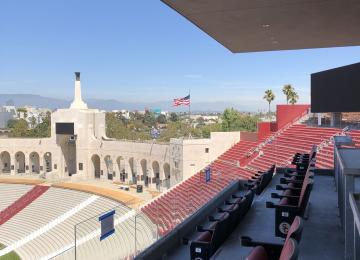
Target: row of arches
x,y
18,162
147,173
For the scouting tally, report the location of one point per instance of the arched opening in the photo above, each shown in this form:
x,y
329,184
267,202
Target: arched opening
x,y
121,168
34,159
20,162
167,175
96,165
144,176
132,170
156,171
5,162
109,167
48,162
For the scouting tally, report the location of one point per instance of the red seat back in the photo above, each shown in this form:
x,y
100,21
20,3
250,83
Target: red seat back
x,y
290,250
295,230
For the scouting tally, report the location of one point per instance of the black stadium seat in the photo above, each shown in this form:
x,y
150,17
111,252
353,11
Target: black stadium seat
x,y
293,200
220,226
288,250
261,180
204,246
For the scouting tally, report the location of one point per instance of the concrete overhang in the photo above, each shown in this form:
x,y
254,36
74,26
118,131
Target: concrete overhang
x,y
266,25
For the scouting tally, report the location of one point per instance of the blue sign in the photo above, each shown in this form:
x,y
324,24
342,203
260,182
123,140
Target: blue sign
x,y
207,175
107,224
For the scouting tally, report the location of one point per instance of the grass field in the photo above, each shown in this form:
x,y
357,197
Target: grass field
x,y
10,256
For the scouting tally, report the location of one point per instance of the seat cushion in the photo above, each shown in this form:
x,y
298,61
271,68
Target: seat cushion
x,y
258,253
287,193
284,201
204,237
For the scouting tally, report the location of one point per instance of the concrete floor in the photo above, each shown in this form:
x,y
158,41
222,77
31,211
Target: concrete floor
x,y
322,236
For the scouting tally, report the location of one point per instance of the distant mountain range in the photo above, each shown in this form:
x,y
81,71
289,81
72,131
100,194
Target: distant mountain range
x,y
20,100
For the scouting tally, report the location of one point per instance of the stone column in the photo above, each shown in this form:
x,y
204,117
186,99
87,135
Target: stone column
x,y
27,163
12,163
151,175
139,172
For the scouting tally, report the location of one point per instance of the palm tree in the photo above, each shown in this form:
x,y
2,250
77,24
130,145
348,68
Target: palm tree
x,y
287,90
293,97
269,97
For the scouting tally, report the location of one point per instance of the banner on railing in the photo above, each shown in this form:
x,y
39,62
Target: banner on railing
x,y
107,224
207,174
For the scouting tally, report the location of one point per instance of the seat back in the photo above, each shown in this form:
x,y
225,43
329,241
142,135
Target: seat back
x,y
290,250
295,230
249,197
305,195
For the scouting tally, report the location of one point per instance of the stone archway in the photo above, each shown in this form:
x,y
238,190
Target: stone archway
x,y
156,172
144,176
19,162
95,159
48,162
34,160
5,162
167,175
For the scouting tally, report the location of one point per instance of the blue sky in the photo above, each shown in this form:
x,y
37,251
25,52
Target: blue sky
x,y
133,50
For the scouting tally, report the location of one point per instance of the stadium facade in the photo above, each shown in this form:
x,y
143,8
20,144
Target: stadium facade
x,y
79,149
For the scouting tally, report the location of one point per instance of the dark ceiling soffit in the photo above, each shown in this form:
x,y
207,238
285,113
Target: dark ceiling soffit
x,y
198,26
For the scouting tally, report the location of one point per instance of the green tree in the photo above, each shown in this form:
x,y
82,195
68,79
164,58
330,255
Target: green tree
x,y
11,123
200,120
161,119
294,97
229,119
287,90
42,129
174,117
207,129
149,119
20,129
269,97
32,121
233,120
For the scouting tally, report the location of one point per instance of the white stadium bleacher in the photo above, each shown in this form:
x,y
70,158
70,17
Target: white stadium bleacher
x,y
45,228
11,192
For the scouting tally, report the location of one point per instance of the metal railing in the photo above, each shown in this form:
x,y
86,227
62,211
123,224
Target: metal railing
x,y
134,232
347,174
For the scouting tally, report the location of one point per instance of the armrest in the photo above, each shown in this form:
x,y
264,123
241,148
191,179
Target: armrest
x,y
286,181
272,205
249,185
291,198
280,187
211,218
294,173
290,170
200,228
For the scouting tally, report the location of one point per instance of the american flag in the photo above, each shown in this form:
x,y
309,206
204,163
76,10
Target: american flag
x,y
182,101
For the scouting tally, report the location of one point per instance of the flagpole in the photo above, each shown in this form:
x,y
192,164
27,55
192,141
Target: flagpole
x,y
189,106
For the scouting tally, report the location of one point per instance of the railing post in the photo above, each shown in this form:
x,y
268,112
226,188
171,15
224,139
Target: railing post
x,y
75,241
